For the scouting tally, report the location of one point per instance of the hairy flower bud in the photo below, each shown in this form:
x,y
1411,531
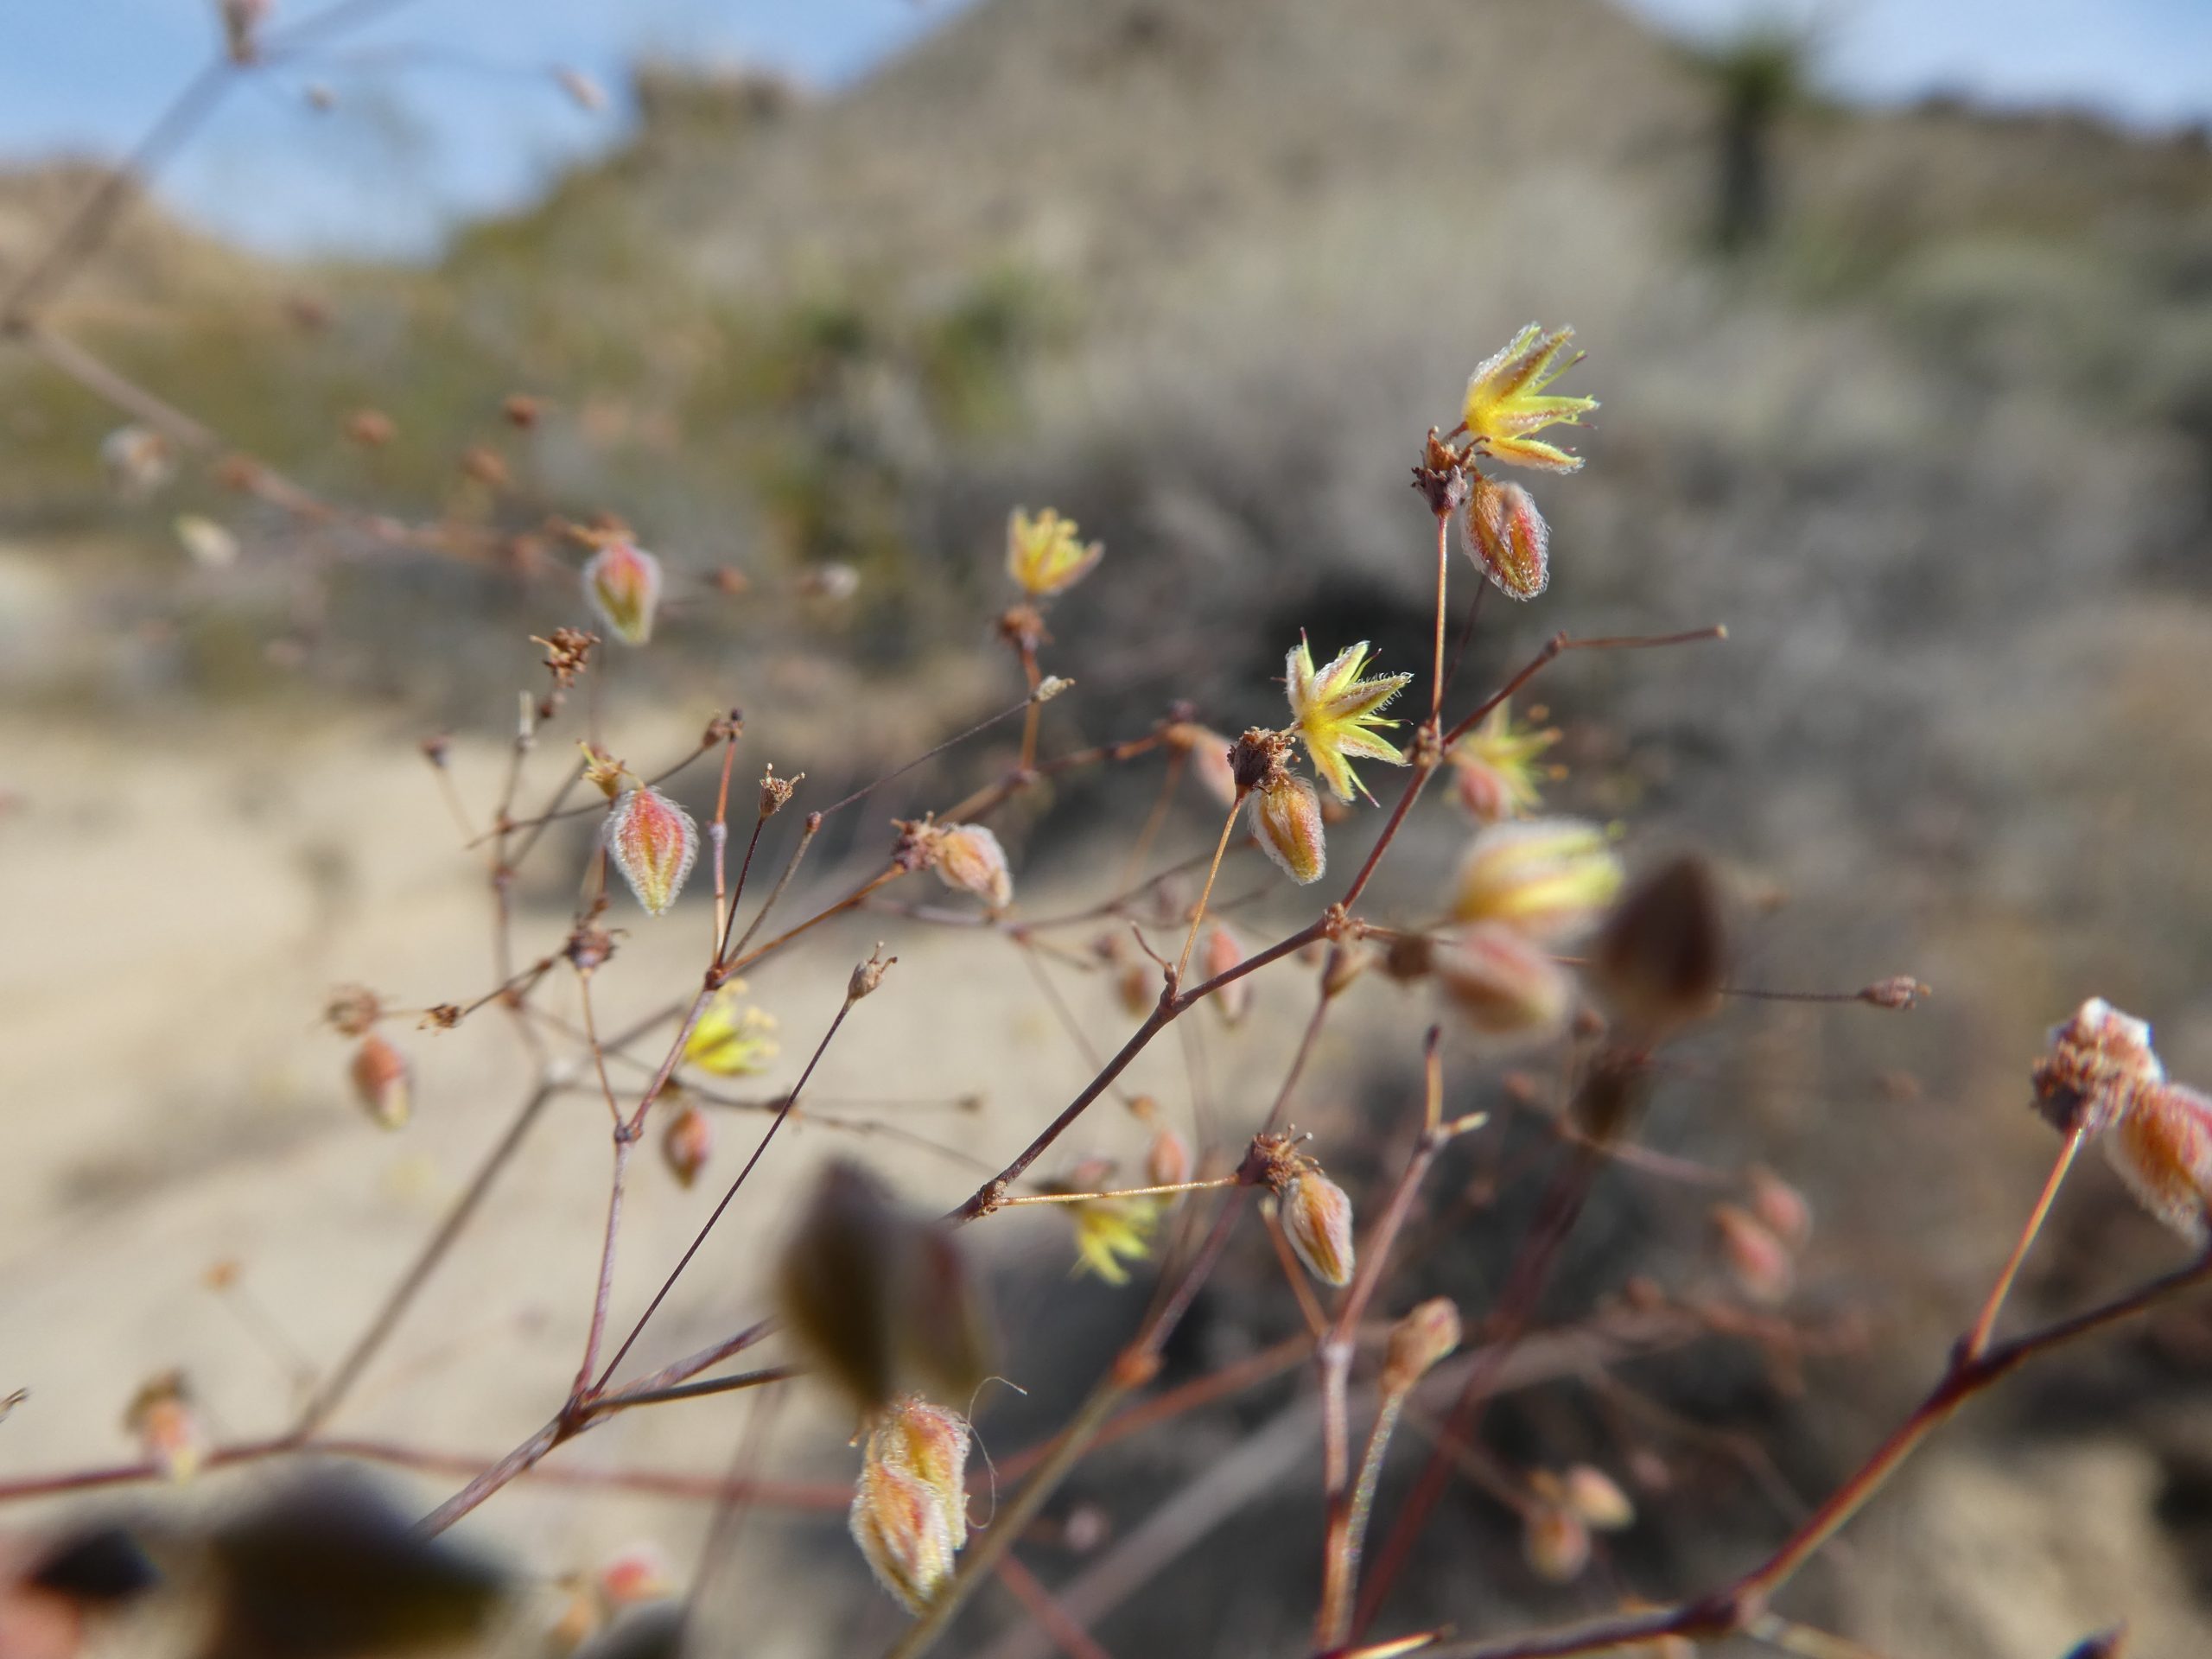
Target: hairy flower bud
x,y
1209,754
169,1430
1223,952
1507,988
1597,1497
138,460
208,545
1287,818
1507,538
2162,1147
1317,1219
1780,1206
687,1143
1425,1336
653,843
910,1508
1555,1541
381,1082
1549,878
970,860
1759,1262
623,582
636,1575
1167,1160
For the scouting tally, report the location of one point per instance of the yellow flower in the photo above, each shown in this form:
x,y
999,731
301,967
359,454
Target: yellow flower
x,y
1337,714
1497,765
731,1041
1043,554
1550,879
1108,1232
1506,403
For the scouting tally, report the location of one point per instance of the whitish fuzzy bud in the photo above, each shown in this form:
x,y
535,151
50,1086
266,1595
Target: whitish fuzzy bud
x,y
1507,989
1287,818
1556,1542
623,582
138,459
687,1143
1759,1262
1507,538
835,583
1549,878
910,1508
1419,1340
169,1433
2162,1147
381,1082
205,542
653,843
969,860
2096,1062
1223,952
1661,958
1597,1497
1317,1219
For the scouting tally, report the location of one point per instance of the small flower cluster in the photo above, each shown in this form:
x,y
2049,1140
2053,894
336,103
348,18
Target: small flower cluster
x,y
910,1507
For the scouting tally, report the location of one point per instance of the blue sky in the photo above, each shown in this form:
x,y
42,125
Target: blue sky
x,y
445,108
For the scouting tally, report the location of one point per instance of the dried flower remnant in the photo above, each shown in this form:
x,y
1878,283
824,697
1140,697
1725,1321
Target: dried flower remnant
x,y
653,843
2097,1064
353,1010
623,582
568,654
969,859
1042,554
1507,538
687,1143
1507,989
168,1428
1337,714
910,1507
1506,403
381,1082
1549,878
1496,765
1287,820
731,1038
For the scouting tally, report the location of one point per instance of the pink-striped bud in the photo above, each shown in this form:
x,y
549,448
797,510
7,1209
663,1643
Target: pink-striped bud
x,y
381,1082
1223,952
653,843
1507,538
1780,1206
1507,989
1759,1262
1287,818
1317,1219
1167,1160
169,1433
640,1574
624,584
687,1143
2162,1147
910,1510
970,860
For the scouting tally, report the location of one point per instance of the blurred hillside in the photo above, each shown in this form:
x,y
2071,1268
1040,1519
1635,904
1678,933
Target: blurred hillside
x,y
1919,404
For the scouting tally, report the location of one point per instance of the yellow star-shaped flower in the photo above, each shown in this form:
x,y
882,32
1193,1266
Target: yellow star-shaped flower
x,y
1335,712
1109,1231
1506,403
732,1040
1498,765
